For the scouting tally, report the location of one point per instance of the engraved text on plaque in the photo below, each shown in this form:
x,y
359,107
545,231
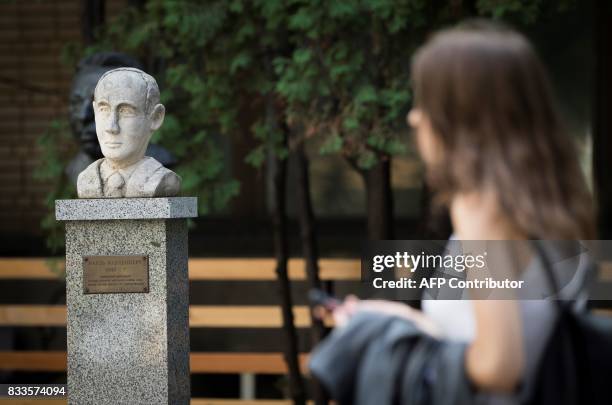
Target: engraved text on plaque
x,y
115,274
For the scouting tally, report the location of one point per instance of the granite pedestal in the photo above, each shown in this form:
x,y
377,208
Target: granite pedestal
x,y
128,348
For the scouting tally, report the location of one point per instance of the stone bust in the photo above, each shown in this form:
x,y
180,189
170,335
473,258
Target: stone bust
x,y
127,112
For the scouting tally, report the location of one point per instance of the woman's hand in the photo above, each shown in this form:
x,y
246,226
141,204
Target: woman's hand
x,y
351,305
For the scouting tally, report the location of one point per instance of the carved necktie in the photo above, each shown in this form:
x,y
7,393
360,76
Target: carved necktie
x,y
113,187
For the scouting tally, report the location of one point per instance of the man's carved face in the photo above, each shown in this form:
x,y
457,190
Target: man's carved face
x,y
123,125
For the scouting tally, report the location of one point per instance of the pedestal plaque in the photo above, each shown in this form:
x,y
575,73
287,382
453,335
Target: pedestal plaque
x,y
128,300
115,274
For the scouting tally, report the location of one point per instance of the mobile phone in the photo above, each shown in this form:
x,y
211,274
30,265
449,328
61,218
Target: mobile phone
x,y
319,297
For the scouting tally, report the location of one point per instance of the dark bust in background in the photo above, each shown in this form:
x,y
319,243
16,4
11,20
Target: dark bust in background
x,y
82,120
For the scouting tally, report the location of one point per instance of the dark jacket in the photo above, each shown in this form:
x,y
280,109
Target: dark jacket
x,y
379,359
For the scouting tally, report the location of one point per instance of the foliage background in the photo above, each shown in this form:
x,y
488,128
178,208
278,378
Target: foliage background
x,y
337,72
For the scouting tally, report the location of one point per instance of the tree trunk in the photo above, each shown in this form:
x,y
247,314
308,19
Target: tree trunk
x,y
278,169
602,123
310,252
379,200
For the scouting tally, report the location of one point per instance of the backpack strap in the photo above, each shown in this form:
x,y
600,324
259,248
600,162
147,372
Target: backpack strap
x,y
563,335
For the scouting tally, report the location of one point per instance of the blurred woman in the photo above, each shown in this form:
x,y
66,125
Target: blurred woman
x,y
497,156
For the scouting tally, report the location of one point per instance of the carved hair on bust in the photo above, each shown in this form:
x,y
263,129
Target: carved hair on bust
x,y
152,90
127,110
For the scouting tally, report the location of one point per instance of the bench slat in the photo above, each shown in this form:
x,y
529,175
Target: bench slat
x,y
200,362
200,316
245,269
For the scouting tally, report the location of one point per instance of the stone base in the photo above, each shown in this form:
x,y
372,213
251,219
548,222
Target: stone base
x,y
128,348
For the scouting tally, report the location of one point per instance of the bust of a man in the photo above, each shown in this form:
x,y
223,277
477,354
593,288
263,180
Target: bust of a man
x,y
127,110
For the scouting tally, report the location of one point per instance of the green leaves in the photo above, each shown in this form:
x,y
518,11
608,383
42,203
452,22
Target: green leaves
x,y
387,143
350,123
57,133
367,160
272,141
303,20
366,94
336,72
332,144
522,11
342,9
56,147
240,61
302,56
256,156
347,75
339,68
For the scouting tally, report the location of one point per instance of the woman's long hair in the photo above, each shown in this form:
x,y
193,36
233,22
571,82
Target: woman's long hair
x,y
490,105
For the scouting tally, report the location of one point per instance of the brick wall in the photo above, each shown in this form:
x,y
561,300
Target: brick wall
x,y
34,88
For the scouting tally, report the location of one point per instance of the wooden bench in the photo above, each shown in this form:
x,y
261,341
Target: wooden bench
x,y
200,316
